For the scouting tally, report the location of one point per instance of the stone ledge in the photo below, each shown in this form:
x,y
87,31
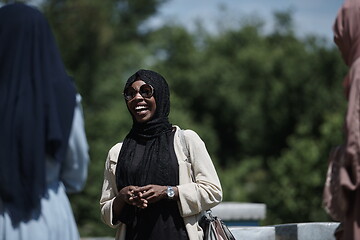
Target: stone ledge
x,y
296,231
235,211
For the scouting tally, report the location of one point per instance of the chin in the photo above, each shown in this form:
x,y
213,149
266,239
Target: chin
x,y
142,120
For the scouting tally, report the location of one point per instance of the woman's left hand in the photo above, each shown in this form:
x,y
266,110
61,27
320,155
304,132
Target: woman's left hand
x,y
152,193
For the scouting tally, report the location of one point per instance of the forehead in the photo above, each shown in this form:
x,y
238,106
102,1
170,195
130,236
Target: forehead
x,y
137,84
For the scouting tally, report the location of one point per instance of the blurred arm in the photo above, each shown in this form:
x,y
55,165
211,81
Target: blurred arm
x,y
74,169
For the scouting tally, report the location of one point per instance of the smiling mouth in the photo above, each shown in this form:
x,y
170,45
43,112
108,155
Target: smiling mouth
x,y
141,109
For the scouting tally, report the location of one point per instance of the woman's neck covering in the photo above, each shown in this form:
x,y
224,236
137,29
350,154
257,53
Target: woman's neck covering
x,y
154,166
347,35
37,100
347,31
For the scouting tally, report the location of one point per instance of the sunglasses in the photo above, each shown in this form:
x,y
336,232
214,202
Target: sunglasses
x,y
146,91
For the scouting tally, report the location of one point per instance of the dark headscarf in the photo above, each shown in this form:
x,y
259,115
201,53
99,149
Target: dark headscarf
x,y
154,166
37,100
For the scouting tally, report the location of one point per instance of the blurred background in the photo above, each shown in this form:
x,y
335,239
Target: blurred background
x,y
263,91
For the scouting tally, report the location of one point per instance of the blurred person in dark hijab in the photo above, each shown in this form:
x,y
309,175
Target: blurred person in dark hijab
x,y
43,146
342,189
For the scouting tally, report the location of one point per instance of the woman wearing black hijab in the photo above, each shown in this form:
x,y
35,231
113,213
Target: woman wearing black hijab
x,y
160,179
43,147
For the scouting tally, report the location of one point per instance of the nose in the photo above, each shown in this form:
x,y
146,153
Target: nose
x,y
138,95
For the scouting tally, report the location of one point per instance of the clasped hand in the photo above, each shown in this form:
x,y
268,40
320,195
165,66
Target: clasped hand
x,y
142,196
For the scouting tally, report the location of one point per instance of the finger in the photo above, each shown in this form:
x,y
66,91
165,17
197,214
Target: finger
x,y
132,198
131,195
152,199
133,188
134,201
142,189
142,204
146,195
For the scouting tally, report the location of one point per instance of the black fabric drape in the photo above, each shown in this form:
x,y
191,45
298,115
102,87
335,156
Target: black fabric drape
x,y
160,220
37,100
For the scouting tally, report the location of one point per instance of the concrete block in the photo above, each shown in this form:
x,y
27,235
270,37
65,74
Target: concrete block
x,y
317,230
253,233
234,211
296,231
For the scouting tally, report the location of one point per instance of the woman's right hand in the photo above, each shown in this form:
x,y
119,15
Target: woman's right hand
x,y
127,194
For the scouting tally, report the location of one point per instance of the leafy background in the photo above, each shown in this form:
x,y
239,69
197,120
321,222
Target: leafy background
x,y
269,106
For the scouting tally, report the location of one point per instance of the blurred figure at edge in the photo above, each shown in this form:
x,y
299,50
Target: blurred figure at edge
x,y
43,146
342,188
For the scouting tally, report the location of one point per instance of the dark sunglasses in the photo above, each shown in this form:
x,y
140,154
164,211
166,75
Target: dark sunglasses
x,y
146,91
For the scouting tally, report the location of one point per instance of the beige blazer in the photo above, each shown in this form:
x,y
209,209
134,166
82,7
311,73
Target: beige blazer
x,y
199,185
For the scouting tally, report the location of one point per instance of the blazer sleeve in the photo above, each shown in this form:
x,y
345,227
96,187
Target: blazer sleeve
x,y
109,189
203,190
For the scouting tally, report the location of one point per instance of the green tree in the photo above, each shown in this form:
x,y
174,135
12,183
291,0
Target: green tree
x,y
267,103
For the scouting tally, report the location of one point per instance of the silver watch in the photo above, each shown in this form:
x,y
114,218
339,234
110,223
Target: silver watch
x,y
170,192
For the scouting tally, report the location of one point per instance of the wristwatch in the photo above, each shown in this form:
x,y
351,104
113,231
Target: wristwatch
x,y
170,192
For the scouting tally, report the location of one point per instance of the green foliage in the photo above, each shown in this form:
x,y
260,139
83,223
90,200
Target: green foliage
x,y
274,105
269,107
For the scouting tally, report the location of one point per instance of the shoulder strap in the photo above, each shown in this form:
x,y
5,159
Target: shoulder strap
x,y
186,152
183,144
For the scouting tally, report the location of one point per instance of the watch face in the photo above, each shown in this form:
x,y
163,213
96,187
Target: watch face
x,y
170,192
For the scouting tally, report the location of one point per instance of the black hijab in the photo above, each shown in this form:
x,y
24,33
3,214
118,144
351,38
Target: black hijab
x,y
154,166
37,100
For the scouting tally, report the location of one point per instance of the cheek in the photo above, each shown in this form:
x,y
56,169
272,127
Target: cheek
x,y
153,103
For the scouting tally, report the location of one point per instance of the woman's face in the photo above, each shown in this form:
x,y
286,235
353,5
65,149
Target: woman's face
x,y
142,108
